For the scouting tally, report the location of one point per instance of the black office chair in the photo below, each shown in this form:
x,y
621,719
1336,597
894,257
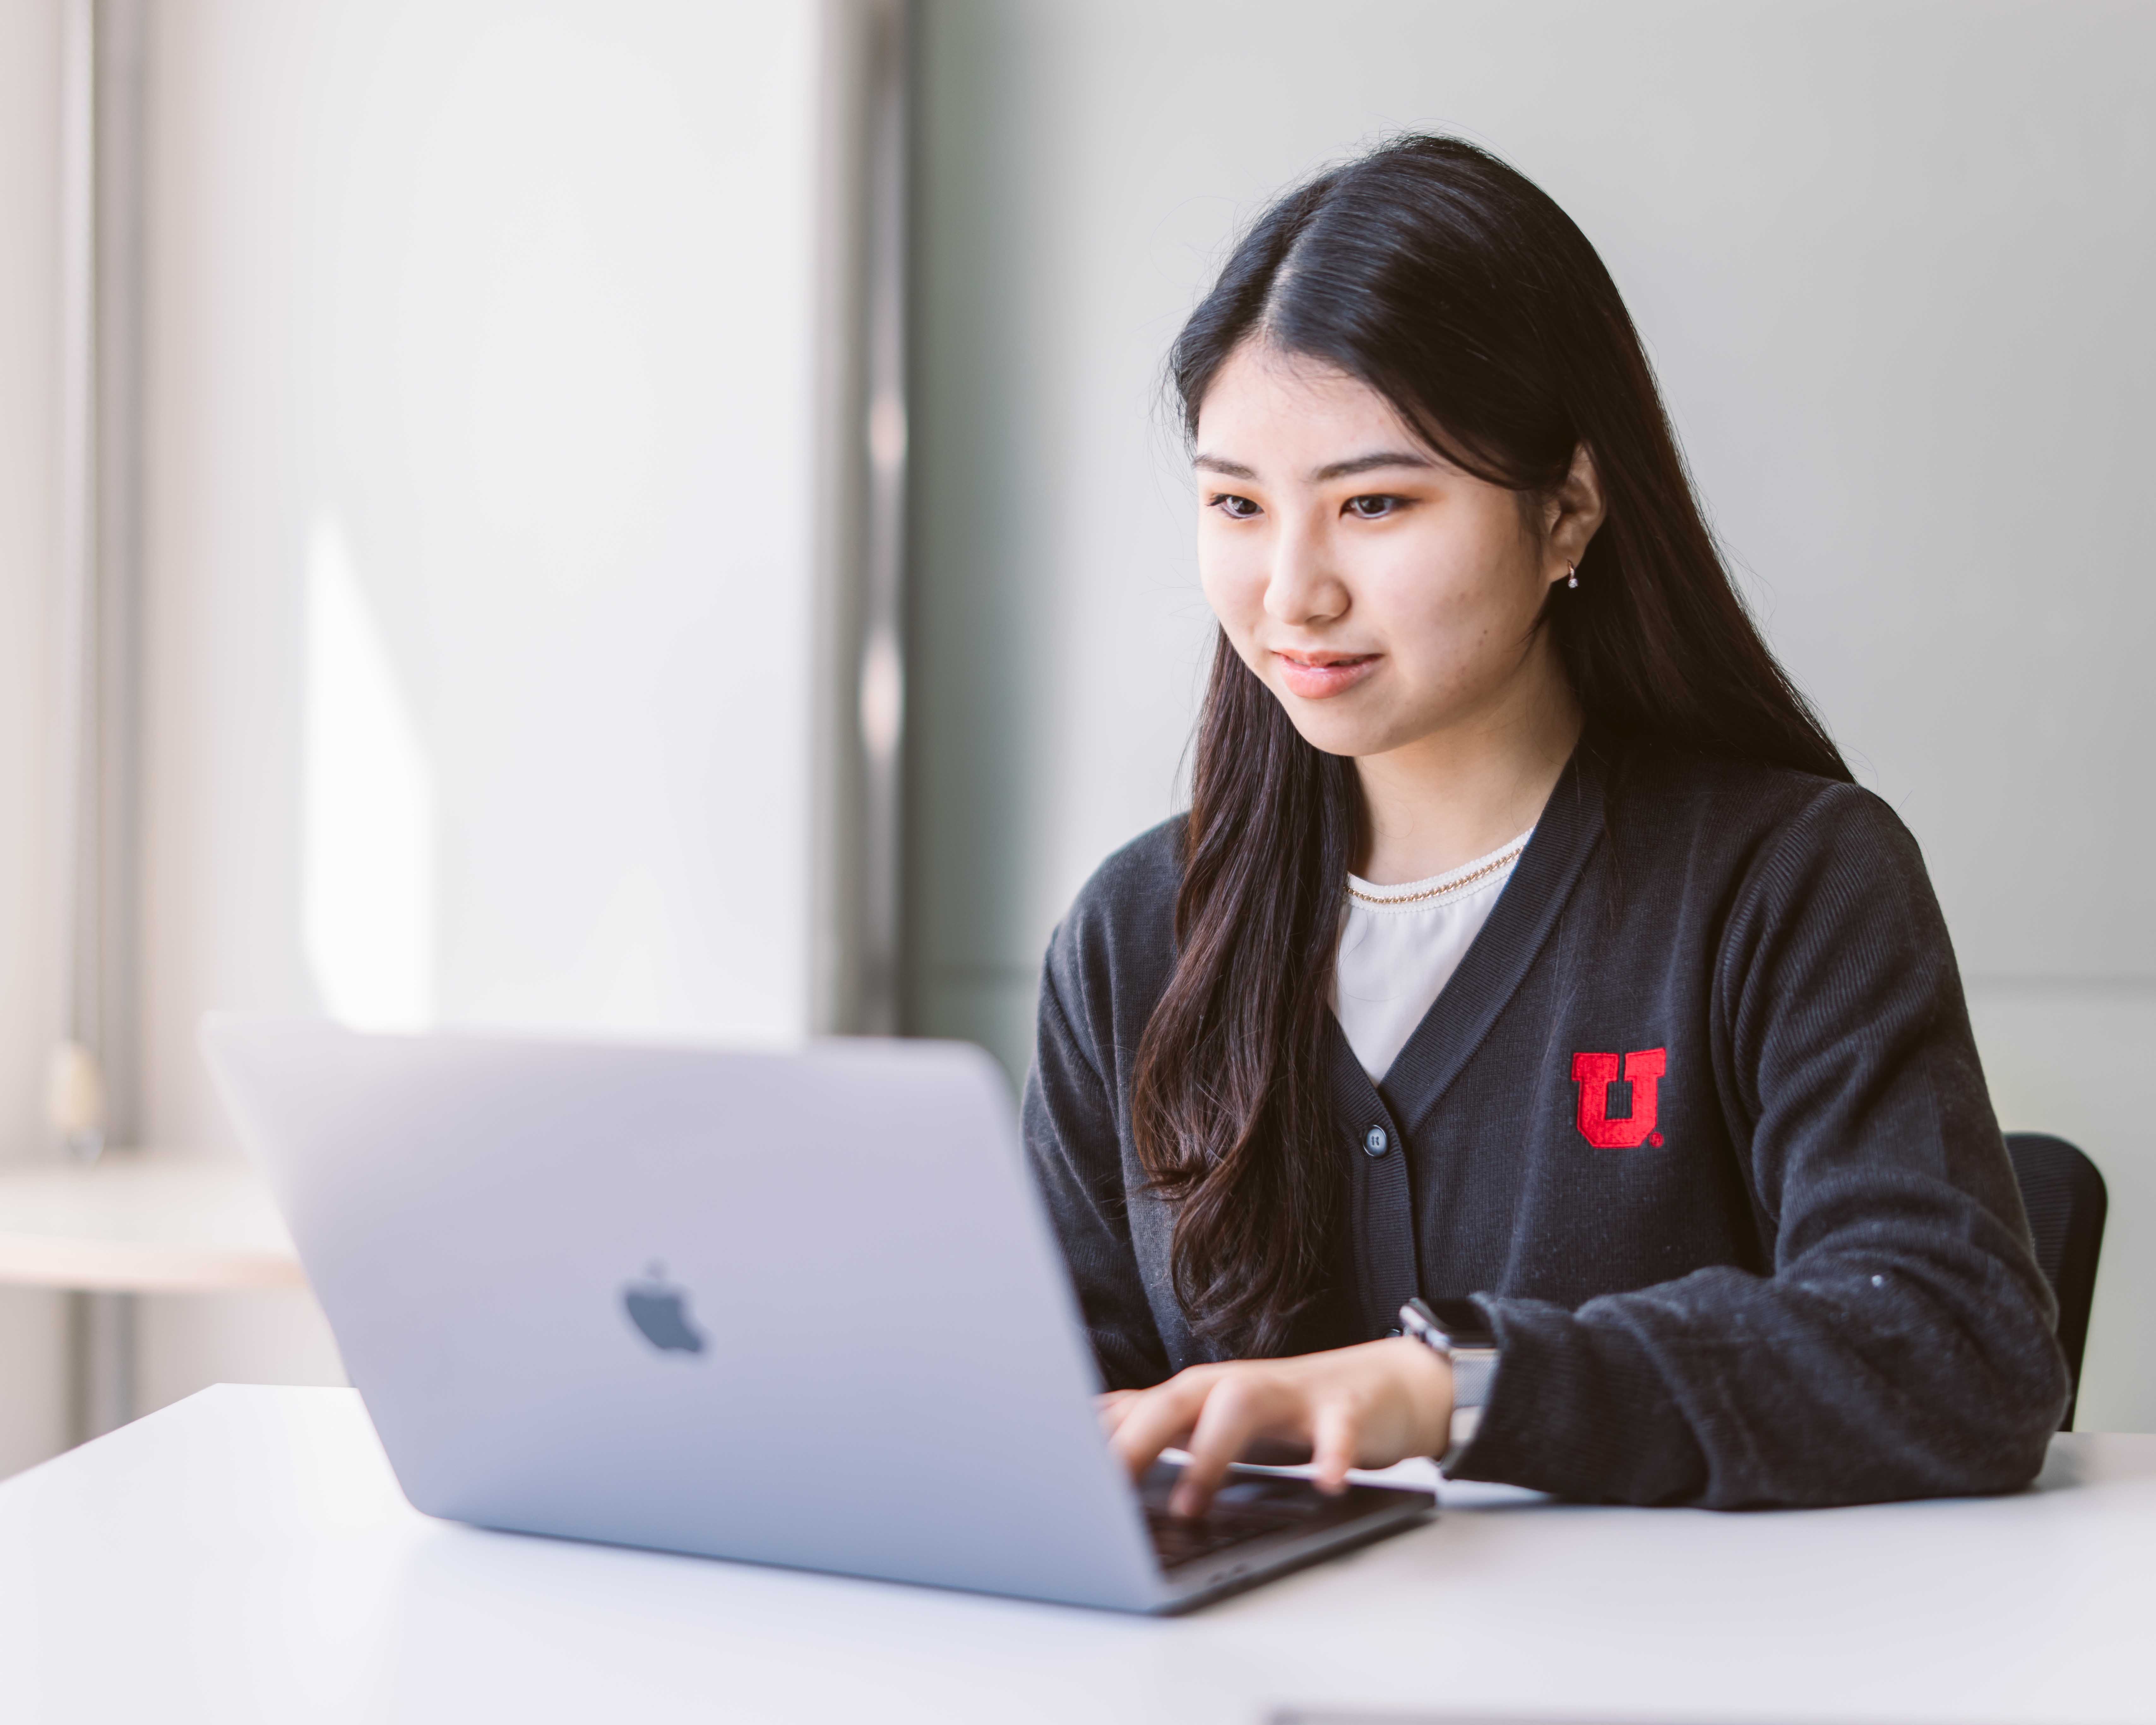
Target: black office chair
x,y
2064,1195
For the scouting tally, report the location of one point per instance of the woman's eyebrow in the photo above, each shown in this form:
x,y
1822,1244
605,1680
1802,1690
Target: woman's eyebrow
x,y
1370,463
1222,465
1331,470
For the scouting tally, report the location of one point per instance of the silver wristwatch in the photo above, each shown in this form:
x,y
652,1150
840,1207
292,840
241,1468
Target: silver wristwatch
x,y
1470,1346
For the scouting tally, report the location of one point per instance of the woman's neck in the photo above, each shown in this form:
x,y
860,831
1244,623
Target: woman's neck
x,y
1460,793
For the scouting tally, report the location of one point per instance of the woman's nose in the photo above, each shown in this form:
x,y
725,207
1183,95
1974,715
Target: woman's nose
x,y
1301,587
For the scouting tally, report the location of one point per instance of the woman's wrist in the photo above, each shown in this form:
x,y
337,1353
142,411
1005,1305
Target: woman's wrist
x,y
1426,1377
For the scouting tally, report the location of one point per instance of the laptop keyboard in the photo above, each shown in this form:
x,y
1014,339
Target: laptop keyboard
x,y
1184,1539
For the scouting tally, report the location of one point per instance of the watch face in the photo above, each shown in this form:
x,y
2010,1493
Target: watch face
x,y
1463,1322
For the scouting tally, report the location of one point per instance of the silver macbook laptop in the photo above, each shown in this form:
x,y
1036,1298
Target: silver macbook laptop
x,y
800,1309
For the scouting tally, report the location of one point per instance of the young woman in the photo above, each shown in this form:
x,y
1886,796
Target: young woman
x,y
1527,942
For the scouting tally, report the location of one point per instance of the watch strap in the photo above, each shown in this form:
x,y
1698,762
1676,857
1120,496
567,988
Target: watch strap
x,y
1466,1423
1474,1365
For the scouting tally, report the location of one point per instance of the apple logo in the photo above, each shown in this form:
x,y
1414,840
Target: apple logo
x,y
660,1310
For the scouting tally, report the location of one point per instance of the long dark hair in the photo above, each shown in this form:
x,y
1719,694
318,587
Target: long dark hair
x,y
1455,287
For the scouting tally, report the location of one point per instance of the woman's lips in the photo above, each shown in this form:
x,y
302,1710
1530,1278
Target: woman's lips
x,y
1315,676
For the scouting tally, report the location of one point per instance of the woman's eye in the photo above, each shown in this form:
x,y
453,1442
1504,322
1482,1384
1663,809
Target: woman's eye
x,y
1240,509
1372,508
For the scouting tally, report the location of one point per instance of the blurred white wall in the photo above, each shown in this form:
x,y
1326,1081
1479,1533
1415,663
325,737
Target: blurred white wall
x,y
1894,262
478,538
32,1399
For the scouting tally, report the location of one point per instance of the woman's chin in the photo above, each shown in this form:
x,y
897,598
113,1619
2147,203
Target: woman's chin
x,y
1336,734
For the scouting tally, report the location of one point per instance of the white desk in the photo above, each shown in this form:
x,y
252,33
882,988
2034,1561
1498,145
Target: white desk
x,y
246,1555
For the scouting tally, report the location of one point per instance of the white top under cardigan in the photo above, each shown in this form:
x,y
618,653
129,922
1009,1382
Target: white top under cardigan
x,y
1399,946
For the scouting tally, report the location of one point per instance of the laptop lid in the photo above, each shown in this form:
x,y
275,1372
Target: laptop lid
x,y
795,1308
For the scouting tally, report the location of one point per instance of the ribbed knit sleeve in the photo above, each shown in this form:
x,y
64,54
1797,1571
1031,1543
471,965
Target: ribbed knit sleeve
x,y
1070,1122
1902,1344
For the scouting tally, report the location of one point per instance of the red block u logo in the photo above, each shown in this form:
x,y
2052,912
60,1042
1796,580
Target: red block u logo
x,y
1594,1073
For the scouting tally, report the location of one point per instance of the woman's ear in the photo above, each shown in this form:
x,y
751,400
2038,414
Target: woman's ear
x,y
1571,516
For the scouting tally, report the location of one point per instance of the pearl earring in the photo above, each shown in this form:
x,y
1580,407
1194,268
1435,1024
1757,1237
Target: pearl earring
x,y
1572,574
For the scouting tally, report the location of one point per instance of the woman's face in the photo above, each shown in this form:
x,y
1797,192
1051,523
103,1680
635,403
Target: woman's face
x,y
1382,594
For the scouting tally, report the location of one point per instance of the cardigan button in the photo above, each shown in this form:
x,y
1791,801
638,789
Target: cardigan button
x,y
1374,1141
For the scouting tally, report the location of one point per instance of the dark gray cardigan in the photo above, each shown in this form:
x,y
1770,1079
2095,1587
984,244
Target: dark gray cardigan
x,y
1699,1119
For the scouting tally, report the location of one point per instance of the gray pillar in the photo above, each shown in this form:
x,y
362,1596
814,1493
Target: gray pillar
x,y
101,607
101,1346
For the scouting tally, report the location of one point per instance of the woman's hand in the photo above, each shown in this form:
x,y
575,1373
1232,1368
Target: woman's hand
x,y
1367,1406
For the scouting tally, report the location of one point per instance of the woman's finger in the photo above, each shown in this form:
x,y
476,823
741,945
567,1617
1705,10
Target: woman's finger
x,y
1111,1406
1335,1436
1240,1406
1154,1418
